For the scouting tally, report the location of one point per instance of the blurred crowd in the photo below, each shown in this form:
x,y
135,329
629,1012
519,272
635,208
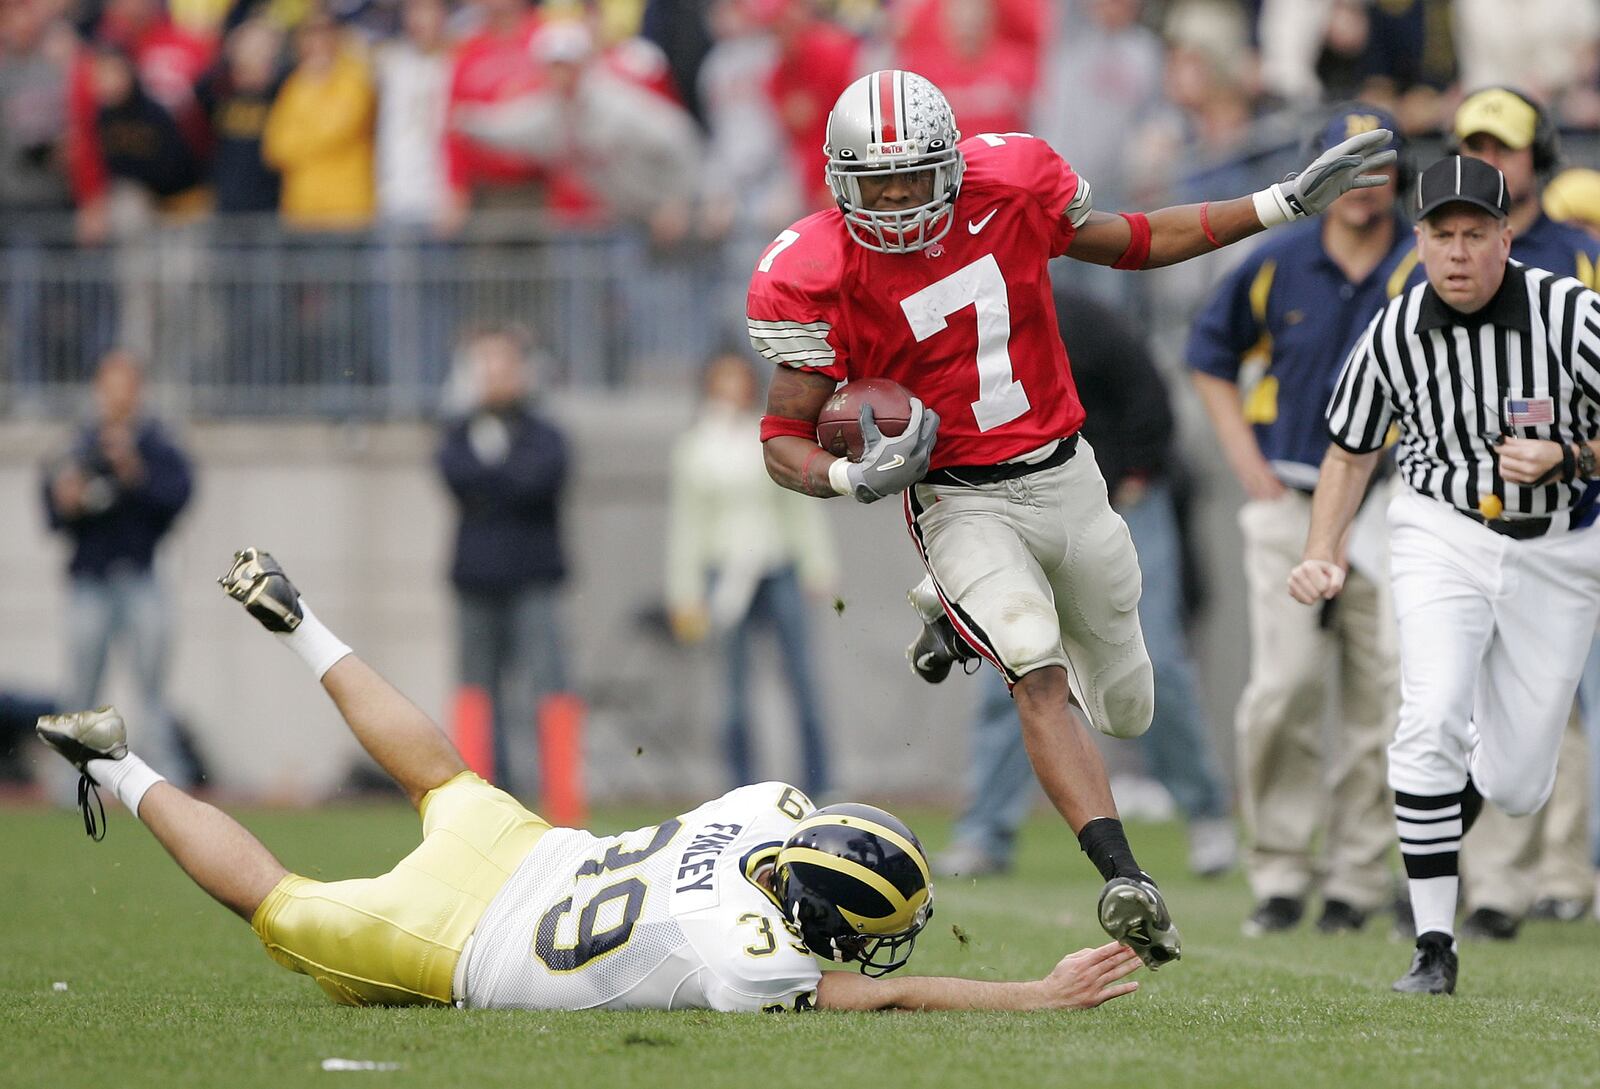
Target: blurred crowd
x,y
689,117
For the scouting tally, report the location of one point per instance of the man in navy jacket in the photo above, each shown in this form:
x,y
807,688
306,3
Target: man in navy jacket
x,y
507,468
115,496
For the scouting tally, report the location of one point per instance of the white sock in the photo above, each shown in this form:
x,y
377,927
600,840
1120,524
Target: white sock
x,y
317,647
1433,903
128,778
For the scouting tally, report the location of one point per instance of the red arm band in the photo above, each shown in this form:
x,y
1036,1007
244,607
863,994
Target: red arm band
x,y
1205,225
1138,251
773,426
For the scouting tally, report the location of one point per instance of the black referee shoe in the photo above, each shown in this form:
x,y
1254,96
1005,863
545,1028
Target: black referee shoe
x,y
1433,968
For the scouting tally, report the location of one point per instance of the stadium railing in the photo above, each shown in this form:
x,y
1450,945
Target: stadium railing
x,y
240,317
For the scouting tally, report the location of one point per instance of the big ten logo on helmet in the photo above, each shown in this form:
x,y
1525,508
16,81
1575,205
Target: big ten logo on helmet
x,y
888,149
1357,123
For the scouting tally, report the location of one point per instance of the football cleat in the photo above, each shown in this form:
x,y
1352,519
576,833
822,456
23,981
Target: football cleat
x,y
936,649
1213,846
256,579
1560,910
1341,917
1273,915
1134,913
1489,924
970,860
80,737
1433,968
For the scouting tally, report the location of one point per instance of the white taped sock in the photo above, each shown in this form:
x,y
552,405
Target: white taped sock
x,y
1433,903
128,778
317,647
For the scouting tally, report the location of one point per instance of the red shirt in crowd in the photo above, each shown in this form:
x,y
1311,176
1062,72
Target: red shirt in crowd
x,y
816,63
490,68
169,59
990,84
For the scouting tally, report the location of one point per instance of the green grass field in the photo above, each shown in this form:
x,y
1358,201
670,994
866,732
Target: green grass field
x,y
164,988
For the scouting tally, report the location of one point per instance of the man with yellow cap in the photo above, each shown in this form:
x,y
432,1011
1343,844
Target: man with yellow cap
x,y
1517,136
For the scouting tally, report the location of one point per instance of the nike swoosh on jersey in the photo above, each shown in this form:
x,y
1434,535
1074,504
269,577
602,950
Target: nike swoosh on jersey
x,y
976,225
893,463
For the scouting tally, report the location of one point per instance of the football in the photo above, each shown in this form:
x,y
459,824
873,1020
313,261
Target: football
x,y
839,422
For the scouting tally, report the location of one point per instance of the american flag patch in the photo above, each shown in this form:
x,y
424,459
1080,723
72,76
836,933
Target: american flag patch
x,y
1531,412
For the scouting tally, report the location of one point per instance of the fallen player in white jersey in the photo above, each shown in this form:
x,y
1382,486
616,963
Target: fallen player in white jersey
x,y
725,907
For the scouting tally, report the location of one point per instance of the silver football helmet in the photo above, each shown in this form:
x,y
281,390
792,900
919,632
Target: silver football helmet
x,y
894,122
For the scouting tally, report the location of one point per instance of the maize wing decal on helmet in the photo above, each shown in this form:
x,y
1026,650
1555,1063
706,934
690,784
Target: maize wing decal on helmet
x,y
892,123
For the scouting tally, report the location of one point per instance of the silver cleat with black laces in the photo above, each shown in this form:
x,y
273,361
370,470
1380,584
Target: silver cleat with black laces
x,y
82,736
257,580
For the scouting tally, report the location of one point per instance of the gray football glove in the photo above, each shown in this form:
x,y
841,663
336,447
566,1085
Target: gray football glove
x,y
892,464
1330,176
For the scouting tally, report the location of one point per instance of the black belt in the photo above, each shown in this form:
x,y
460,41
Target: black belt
x,y
1518,529
972,476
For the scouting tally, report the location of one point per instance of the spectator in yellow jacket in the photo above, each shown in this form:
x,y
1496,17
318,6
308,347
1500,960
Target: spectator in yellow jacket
x,y
319,133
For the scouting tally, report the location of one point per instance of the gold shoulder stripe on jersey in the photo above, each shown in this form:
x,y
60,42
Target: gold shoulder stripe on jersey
x,y
1402,273
1261,405
1260,289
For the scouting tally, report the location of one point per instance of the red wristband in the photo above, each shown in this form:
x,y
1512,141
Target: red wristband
x,y
1205,225
773,426
1138,251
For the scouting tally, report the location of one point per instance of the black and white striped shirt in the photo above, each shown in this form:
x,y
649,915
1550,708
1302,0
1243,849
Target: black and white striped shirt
x,y
1526,365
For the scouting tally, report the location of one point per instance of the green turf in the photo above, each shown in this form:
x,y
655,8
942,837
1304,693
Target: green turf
x,y
165,988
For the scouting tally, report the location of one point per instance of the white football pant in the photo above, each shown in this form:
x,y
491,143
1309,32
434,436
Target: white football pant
x,y
1493,636
1038,571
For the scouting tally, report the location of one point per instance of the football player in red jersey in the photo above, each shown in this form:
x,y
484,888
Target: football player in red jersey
x,y
932,272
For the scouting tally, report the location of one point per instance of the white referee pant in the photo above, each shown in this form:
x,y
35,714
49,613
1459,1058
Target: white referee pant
x,y
1493,637
1038,571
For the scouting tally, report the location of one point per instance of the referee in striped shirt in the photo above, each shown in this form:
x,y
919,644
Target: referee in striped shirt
x,y
1491,372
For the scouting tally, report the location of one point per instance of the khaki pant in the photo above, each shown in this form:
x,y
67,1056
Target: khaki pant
x,y
1293,785
1508,861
